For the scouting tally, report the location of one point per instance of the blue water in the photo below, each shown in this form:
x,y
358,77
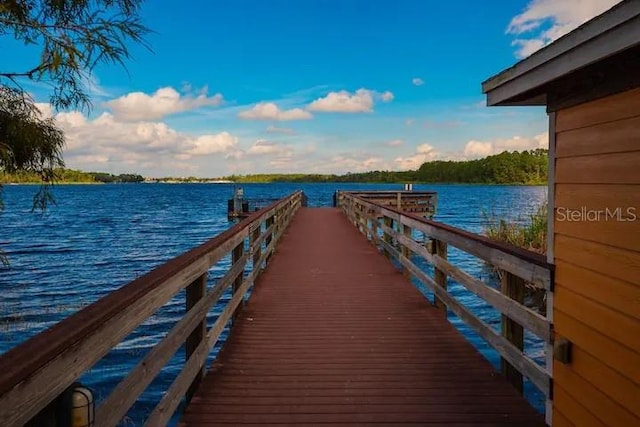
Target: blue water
x,y
99,237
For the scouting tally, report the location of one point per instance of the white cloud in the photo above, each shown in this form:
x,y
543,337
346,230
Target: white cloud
x,y
45,109
355,162
548,20
424,153
477,149
270,111
222,142
417,81
361,101
387,96
107,144
138,106
394,143
275,129
269,148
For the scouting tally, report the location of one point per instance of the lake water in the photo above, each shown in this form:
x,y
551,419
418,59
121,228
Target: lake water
x,y
99,237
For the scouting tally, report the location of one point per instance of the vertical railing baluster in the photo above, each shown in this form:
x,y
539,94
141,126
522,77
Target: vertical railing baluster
x,y
269,237
236,256
439,249
406,252
256,249
513,287
387,237
374,226
195,291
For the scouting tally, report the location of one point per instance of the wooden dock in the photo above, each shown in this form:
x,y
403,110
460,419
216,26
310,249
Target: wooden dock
x,y
334,334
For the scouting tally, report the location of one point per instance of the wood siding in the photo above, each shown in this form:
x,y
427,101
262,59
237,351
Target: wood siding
x,y
597,257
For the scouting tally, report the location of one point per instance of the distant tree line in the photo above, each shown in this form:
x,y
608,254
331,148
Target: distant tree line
x,y
123,177
525,167
61,175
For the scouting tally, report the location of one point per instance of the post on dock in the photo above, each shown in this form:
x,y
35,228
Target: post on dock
x,y
406,252
373,216
388,222
256,249
362,215
269,238
513,287
194,293
439,248
236,256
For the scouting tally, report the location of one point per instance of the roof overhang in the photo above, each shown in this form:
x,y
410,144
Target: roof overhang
x,y
530,80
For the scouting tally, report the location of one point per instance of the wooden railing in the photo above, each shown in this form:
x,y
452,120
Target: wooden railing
x,y
391,230
423,203
36,372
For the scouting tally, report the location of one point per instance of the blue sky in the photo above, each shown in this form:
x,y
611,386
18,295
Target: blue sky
x,y
252,86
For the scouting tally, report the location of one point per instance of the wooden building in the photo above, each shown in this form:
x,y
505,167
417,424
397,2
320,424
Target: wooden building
x,y
589,81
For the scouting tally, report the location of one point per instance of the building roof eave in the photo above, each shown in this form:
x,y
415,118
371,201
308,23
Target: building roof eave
x,y
608,34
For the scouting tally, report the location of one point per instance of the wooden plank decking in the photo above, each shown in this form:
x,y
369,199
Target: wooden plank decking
x,y
333,333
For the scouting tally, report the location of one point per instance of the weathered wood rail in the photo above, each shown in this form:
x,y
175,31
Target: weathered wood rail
x,y
35,373
420,202
392,229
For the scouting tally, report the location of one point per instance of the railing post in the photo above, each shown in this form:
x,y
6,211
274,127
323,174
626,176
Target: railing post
x,y
236,255
374,226
195,292
257,250
406,252
439,248
386,236
399,201
269,237
513,287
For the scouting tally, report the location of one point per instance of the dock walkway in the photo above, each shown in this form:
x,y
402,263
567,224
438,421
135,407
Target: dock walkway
x,y
333,333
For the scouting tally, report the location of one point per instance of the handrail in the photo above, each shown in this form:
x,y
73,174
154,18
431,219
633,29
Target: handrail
x,y
519,266
37,371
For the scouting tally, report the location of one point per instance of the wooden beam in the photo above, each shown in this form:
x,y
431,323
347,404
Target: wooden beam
x,y
406,252
236,256
255,245
439,248
513,287
195,292
387,237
